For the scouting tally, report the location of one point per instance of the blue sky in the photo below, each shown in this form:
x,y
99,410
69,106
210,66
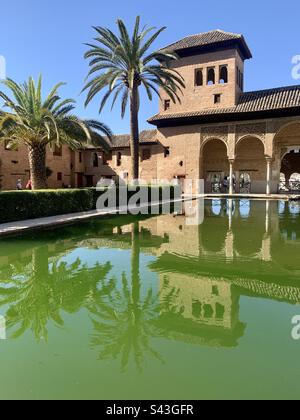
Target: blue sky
x,y
47,37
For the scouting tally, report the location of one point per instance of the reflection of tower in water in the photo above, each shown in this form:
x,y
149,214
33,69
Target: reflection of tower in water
x,y
200,310
203,300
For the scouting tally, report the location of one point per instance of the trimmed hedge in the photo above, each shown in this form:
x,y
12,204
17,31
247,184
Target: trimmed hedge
x,y
23,205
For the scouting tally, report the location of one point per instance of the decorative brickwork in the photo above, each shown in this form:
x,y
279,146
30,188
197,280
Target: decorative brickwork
x,y
218,132
255,129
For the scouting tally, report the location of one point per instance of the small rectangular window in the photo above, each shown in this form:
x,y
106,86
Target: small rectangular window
x,y
95,160
217,99
80,157
57,151
107,157
167,104
146,154
119,159
167,152
215,290
59,176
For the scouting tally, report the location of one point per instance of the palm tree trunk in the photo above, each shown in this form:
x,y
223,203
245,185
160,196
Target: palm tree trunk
x,y
135,264
40,264
37,163
134,133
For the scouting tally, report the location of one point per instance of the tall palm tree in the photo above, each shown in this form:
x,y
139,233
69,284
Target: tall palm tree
x,y
37,123
122,64
124,318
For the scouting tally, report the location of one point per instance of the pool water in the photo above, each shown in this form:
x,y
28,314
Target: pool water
x,y
155,307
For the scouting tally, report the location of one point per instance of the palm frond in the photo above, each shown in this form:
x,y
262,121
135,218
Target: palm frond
x,y
32,120
120,59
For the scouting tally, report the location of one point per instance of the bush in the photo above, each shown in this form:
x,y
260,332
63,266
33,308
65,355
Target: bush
x,y
23,205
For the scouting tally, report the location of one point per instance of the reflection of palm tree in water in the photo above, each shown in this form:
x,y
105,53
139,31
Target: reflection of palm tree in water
x,y
124,320
38,292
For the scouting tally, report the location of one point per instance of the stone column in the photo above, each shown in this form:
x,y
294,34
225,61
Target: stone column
x,y
269,167
230,211
231,162
267,217
229,246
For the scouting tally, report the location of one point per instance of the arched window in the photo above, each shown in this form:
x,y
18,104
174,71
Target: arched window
x,y
245,209
199,77
208,311
215,183
223,74
216,207
95,160
220,312
211,77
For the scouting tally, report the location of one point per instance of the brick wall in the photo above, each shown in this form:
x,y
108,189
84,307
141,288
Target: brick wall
x,y
195,97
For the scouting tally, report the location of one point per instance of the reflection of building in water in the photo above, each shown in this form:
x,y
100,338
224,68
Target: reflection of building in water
x,y
203,299
247,233
223,261
242,248
200,310
181,238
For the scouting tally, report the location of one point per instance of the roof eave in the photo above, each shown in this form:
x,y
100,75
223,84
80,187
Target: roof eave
x,y
127,146
240,43
224,117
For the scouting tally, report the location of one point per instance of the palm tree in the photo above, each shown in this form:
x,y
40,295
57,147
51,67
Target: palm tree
x,y
122,64
124,317
37,123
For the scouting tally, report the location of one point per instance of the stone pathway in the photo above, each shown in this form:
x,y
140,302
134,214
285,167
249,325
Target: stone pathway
x,y
253,196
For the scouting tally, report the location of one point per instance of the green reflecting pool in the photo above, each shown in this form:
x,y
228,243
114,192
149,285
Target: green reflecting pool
x,y
155,308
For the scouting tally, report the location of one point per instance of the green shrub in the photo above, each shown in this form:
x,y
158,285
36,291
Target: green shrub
x,y
23,205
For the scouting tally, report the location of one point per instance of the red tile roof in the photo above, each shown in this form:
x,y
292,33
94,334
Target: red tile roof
x,y
209,39
283,98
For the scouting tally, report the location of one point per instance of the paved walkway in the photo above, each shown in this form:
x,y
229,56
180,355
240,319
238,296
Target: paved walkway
x,y
254,196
